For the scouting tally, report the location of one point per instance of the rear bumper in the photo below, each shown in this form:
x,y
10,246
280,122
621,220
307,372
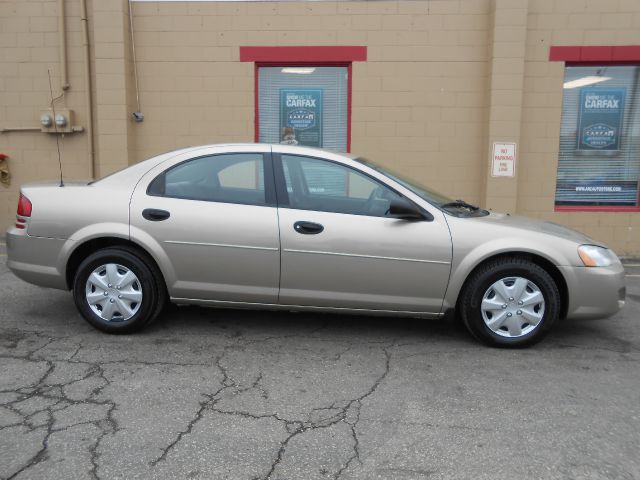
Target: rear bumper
x,y
36,259
594,292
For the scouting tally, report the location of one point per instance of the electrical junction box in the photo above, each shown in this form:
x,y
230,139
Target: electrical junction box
x,y
61,123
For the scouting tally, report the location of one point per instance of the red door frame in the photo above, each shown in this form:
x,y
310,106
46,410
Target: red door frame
x,y
337,56
584,56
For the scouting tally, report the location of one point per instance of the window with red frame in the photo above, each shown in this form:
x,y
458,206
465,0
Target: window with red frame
x,y
303,105
599,162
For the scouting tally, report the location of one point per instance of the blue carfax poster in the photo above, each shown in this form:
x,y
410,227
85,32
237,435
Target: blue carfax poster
x,y
600,118
301,116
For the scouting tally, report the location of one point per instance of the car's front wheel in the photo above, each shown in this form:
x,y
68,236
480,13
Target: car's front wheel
x,y
117,291
510,302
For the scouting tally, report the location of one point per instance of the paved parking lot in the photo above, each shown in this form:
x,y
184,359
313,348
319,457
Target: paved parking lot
x,y
215,394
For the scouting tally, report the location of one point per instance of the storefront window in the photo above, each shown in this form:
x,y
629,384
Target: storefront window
x,y
599,164
303,105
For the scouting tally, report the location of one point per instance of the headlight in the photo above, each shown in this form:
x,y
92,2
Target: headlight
x,y
593,256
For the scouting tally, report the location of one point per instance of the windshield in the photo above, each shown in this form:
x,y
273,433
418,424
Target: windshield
x,y
423,192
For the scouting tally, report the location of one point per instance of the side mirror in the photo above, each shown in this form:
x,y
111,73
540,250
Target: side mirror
x,y
405,210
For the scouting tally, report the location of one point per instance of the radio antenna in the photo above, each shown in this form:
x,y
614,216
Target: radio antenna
x,y
55,125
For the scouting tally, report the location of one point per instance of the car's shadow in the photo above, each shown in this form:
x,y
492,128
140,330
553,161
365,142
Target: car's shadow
x,y
596,334
614,334
194,320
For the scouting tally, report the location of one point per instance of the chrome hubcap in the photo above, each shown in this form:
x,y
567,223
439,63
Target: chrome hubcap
x,y
512,307
113,292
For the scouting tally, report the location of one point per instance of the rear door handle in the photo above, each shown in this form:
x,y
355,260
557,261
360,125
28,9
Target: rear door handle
x,y
155,215
308,228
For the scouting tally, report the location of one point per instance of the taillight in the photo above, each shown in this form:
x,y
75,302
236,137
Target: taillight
x,y
24,206
24,210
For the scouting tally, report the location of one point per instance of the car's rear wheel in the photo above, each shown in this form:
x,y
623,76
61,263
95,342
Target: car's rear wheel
x,y
118,291
510,302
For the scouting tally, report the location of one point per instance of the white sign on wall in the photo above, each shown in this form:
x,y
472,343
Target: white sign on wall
x,y
504,160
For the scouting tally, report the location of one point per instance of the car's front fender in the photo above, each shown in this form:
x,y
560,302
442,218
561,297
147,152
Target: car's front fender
x,y
467,256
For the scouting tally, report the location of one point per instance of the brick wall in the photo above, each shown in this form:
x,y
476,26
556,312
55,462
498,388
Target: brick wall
x,y
443,79
28,48
414,106
570,22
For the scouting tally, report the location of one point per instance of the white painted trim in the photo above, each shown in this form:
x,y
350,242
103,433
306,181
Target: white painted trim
x,y
247,1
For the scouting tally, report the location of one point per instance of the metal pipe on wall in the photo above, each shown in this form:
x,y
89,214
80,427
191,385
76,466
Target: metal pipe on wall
x,y
20,129
62,40
87,81
137,115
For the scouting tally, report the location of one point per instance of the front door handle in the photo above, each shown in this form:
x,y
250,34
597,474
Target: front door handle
x,y
155,215
308,228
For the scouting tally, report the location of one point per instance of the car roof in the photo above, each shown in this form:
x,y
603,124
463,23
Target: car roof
x,y
134,172
269,146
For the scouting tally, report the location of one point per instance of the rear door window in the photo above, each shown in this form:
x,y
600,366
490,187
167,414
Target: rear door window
x,y
226,178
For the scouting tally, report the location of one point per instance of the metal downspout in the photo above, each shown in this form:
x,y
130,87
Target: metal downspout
x,y
87,82
62,41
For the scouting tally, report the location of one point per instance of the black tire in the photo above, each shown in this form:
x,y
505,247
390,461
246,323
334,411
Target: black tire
x,y
484,277
151,284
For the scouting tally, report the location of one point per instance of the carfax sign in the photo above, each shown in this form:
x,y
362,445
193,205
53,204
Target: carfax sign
x,y
301,116
600,118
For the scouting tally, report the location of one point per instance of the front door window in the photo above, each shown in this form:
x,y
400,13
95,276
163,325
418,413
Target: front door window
x,y
315,184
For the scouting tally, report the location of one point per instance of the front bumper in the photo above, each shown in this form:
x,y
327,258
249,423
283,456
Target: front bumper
x,y
35,259
594,292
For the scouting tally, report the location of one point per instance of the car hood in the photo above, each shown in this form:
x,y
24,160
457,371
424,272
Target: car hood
x,y
538,226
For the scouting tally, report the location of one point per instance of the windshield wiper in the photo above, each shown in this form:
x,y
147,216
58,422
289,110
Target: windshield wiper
x,y
460,204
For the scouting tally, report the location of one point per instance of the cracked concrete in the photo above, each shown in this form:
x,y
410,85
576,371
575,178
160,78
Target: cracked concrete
x,y
220,394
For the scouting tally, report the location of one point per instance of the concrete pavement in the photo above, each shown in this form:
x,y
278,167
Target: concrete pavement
x,y
219,394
